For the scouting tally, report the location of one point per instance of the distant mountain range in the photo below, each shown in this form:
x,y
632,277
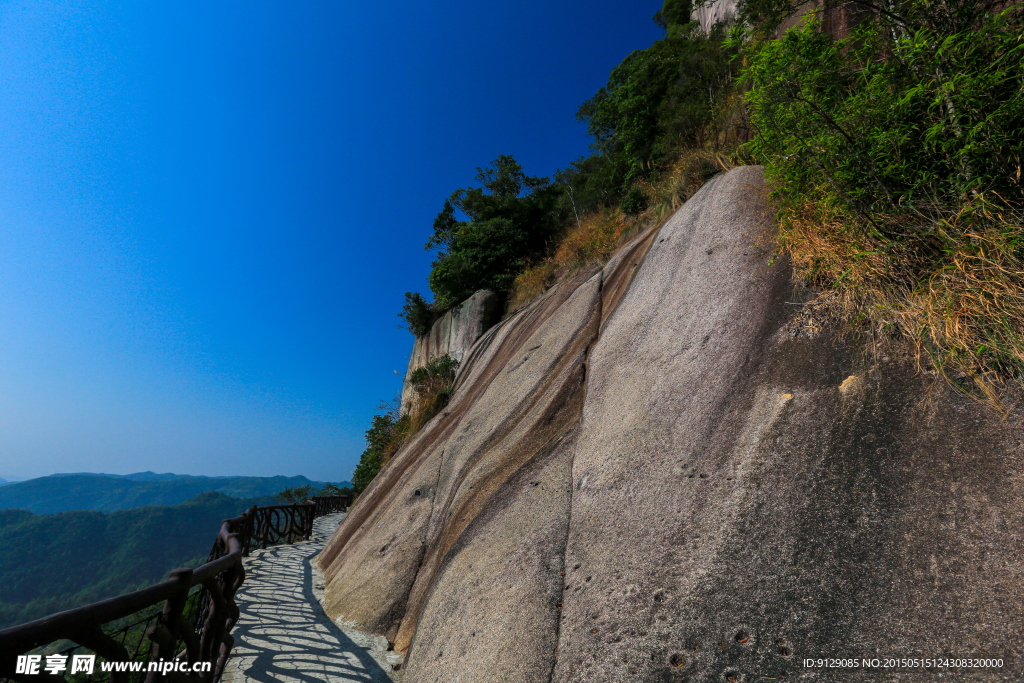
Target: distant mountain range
x,y
109,492
55,562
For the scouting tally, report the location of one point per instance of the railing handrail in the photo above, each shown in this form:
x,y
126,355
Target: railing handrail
x,y
220,576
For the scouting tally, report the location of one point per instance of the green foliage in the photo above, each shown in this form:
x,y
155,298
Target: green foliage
x,y
332,490
296,495
435,377
674,13
898,119
511,218
634,202
896,157
658,101
418,313
59,561
390,429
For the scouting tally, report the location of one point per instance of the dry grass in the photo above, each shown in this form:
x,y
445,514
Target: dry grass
x,y
596,237
953,287
590,241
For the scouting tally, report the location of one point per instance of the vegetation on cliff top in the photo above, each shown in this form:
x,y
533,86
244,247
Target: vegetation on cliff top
x,y
658,103
894,154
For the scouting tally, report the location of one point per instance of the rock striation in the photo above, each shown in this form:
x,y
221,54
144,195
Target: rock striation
x,y
711,13
453,335
644,476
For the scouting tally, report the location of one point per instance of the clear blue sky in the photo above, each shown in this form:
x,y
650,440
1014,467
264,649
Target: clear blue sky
x,y
209,212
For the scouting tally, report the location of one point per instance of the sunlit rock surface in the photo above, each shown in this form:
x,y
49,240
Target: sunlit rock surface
x,y
452,335
709,14
725,499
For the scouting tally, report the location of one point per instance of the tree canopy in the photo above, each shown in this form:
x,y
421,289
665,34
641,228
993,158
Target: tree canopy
x,y
511,218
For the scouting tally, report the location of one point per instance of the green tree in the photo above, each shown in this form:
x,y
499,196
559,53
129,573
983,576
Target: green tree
x,y
512,216
378,437
659,100
331,490
297,494
419,314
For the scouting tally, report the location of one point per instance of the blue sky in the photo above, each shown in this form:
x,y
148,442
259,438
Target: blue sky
x,y
210,212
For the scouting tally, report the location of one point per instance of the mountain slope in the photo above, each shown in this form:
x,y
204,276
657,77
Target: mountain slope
x,y
68,559
62,492
656,472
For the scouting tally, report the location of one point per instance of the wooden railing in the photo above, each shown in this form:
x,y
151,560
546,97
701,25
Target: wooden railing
x,y
194,625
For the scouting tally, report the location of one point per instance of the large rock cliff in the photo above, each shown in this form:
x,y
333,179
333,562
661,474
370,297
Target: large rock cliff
x,y
645,476
452,335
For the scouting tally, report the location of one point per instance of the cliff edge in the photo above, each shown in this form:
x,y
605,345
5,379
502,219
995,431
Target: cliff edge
x,y
644,476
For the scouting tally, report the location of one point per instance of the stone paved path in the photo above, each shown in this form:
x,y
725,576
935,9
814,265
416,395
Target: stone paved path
x,y
283,634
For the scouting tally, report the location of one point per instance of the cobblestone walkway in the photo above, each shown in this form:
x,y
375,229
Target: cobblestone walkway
x,y
283,634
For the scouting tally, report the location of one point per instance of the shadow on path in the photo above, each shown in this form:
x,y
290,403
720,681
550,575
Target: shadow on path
x,y
283,634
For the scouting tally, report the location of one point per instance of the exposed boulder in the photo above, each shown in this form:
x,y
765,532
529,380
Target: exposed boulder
x,y
724,498
452,335
711,13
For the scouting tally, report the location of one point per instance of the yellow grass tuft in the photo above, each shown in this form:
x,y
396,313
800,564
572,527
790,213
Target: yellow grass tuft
x,y
953,287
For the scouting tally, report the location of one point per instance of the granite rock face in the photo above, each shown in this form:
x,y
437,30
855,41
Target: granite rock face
x,y
453,335
643,476
711,13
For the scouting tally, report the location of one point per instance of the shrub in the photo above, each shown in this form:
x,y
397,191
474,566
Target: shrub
x,y
511,218
660,100
390,429
634,202
298,494
895,155
435,377
419,315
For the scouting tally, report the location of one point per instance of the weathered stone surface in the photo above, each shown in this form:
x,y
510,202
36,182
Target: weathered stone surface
x,y
734,511
724,499
711,13
453,335
484,484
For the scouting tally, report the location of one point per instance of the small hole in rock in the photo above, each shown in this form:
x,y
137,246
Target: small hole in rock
x,y
784,651
416,492
732,677
742,637
677,660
